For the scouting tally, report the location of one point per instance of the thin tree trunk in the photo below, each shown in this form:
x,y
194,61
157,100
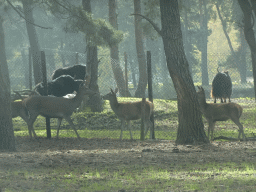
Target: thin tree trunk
x,y
191,127
236,58
140,92
204,40
114,53
187,45
33,40
249,33
92,67
7,139
242,67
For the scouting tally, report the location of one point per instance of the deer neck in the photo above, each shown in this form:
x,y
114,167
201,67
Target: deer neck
x,y
114,104
78,99
203,104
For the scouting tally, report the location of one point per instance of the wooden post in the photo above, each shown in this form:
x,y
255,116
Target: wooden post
x,y
43,63
30,68
126,74
142,133
76,58
150,92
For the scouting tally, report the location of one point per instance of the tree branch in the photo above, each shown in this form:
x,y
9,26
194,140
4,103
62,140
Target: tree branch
x,y
151,22
24,17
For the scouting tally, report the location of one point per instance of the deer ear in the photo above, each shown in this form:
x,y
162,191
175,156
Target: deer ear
x,y
111,90
116,90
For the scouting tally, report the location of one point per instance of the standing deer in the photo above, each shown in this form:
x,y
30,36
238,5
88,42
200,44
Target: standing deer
x,y
55,107
219,112
128,111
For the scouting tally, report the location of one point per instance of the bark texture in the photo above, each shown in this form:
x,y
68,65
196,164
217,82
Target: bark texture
x,y
114,53
191,127
7,139
140,91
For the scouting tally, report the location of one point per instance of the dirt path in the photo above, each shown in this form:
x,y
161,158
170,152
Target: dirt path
x,y
107,152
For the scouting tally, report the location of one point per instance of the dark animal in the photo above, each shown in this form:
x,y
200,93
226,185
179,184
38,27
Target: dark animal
x,y
60,87
55,107
76,71
221,86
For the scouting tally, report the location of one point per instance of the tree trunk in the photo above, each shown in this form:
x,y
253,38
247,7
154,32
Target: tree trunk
x,y
92,67
191,127
140,92
33,40
204,40
242,67
7,139
114,53
239,65
249,33
187,43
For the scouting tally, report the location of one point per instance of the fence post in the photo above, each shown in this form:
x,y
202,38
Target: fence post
x,y
30,68
126,74
150,92
142,128
76,58
43,63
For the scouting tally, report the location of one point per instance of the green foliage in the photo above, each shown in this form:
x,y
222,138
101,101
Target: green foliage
x,y
97,31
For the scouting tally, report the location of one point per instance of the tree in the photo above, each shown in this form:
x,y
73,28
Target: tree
x,y
92,66
7,139
191,127
238,61
140,91
114,53
33,39
249,32
204,41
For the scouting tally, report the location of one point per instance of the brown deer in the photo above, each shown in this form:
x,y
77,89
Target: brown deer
x,y
55,107
219,112
128,111
19,110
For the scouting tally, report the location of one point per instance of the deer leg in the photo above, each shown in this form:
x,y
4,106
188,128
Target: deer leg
x,y
240,126
122,126
69,120
214,99
221,100
210,129
58,126
129,126
149,125
30,123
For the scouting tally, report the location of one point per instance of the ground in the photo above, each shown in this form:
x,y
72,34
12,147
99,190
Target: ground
x,y
44,153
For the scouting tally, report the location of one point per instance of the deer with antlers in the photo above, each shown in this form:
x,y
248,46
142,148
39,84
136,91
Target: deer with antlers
x,y
55,107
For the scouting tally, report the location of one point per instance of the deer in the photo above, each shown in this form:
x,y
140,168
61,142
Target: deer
x,y
219,112
18,109
127,111
55,107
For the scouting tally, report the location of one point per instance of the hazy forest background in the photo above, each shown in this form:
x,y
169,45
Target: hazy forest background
x,y
205,43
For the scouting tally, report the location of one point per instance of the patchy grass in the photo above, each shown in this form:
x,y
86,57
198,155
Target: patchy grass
x,y
122,165
189,177
107,125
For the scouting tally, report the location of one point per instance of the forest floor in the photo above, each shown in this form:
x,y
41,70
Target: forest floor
x,y
19,170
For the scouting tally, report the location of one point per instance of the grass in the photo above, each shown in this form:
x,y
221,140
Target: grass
x,y
106,124
189,177
207,176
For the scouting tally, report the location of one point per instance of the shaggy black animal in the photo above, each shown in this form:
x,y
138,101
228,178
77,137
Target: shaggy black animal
x,y
221,86
63,85
76,71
